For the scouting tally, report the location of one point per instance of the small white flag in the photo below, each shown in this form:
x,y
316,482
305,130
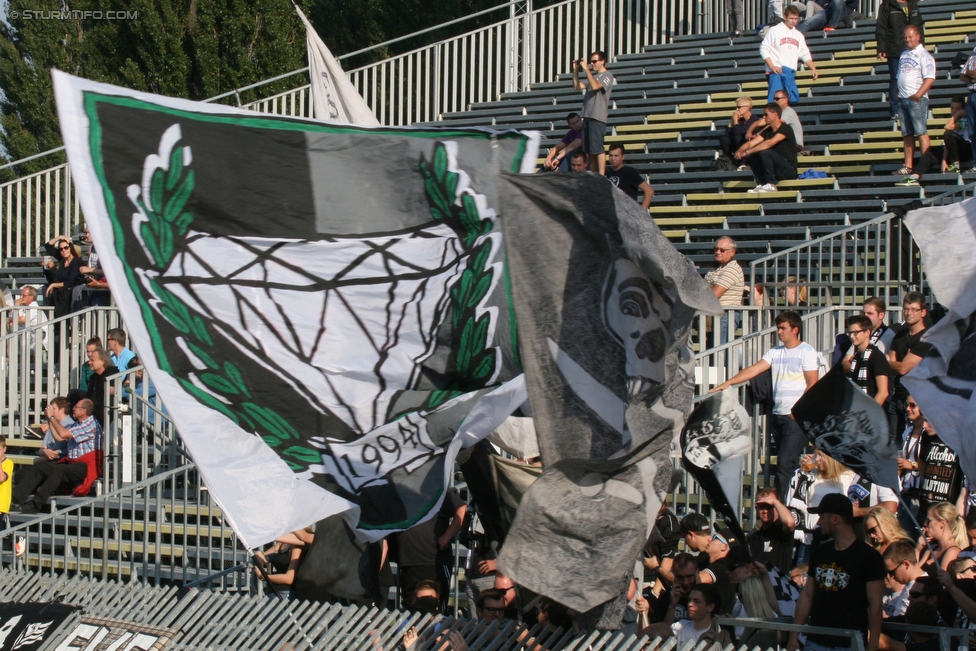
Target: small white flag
x,y
334,97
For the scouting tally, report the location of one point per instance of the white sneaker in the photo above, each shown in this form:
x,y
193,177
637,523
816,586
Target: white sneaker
x,y
769,187
758,188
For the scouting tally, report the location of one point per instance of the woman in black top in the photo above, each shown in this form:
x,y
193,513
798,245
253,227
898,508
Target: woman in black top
x,y
66,276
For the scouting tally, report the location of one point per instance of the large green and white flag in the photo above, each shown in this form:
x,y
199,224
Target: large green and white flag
x,y
323,308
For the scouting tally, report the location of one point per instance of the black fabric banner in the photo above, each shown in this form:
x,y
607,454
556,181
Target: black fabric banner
x,y
27,626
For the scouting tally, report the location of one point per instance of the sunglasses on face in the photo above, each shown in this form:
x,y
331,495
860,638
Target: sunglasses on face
x,y
64,248
911,405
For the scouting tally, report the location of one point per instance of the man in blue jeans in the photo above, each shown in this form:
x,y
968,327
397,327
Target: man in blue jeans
x,y
889,32
916,74
968,77
795,367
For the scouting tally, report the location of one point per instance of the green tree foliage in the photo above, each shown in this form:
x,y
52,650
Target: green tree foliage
x,y
181,48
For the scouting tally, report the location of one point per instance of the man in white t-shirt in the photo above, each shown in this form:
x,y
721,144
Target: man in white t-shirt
x,y
795,367
916,74
27,315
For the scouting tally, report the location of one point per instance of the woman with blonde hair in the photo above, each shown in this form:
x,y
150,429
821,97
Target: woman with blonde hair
x,y
826,476
882,528
754,602
945,529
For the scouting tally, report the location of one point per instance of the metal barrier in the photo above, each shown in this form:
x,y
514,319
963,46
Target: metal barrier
x,y
160,529
32,373
876,258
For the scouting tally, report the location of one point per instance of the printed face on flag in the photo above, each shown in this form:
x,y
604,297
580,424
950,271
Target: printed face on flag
x,y
319,306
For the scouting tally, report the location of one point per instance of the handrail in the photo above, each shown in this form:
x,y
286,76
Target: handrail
x,y
857,640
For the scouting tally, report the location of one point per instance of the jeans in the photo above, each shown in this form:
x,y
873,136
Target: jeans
x,y
893,84
724,334
803,551
790,442
913,116
896,418
971,116
827,18
769,167
737,15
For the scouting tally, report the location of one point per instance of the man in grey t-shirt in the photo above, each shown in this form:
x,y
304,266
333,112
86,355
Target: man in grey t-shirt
x,y
596,105
789,117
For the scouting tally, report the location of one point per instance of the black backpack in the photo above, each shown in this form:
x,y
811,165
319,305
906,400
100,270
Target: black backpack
x,y
724,164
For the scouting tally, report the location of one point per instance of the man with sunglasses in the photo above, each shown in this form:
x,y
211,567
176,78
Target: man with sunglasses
x,y
901,563
727,281
713,569
596,106
868,368
907,350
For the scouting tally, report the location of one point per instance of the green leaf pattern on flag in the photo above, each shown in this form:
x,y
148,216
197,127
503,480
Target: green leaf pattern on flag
x,y
471,356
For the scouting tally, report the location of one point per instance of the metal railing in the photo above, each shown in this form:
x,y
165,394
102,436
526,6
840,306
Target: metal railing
x,y
44,361
875,258
717,364
160,529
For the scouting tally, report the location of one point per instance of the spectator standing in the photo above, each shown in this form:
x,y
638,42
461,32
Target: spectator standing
x,y
661,549
712,568
121,356
727,281
558,157
907,350
737,17
795,368
425,549
945,530
846,581
901,563
27,315
627,179
772,539
868,367
6,484
772,153
939,469
916,74
65,276
889,32
782,48
98,389
968,77
882,529
596,106
735,133
697,532
671,605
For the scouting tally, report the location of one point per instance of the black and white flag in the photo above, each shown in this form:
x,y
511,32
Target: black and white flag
x,y
843,422
605,306
323,308
943,383
714,445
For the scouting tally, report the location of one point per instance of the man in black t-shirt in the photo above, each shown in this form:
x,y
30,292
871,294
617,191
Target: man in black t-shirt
x,y
907,350
672,604
712,567
772,539
627,178
869,366
424,550
772,152
846,580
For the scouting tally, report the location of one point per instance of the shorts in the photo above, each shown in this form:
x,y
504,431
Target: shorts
x,y
594,132
913,116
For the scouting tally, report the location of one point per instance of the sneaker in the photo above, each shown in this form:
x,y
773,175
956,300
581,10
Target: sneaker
x,y
20,546
29,508
758,188
910,181
972,171
742,168
953,169
904,170
829,29
769,187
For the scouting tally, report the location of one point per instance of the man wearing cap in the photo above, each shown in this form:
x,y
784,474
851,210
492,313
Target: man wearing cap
x,y
712,567
846,582
697,532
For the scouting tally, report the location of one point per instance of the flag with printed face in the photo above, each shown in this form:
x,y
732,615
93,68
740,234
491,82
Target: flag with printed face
x,y
943,383
714,443
323,308
334,97
605,307
843,422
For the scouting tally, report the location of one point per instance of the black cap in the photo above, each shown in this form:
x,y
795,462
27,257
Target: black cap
x,y
737,557
727,535
835,503
695,523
